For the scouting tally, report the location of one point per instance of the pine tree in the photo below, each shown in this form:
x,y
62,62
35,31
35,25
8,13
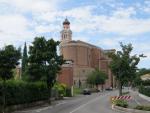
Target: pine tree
x,y
24,59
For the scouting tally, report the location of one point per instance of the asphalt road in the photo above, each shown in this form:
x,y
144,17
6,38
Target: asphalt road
x,y
95,103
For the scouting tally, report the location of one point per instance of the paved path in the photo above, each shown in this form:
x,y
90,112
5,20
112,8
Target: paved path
x,y
95,103
138,100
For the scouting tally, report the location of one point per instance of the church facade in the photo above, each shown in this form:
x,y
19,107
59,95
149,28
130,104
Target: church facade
x,y
82,58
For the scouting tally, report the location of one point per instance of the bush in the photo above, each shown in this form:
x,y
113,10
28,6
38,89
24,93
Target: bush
x,y
146,82
146,108
61,88
145,90
68,92
121,103
19,92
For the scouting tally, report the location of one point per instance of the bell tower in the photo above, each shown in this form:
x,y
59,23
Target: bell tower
x,y
66,33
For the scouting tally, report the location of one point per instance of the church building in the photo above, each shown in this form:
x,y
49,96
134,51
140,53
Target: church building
x,y
82,58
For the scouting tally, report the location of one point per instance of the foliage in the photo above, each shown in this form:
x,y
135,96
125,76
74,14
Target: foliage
x,y
9,57
140,107
146,82
77,90
44,63
145,90
68,92
121,103
97,77
124,65
61,89
143,71
19,92
138,81
24,59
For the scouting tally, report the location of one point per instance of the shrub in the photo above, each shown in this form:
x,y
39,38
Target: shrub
x,y
19,92
68,92
145,90
146,82
146,108
121,103
61,88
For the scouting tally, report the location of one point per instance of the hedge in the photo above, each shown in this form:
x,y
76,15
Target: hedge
x,y
145,90
121,103
19,92
141,107
146,82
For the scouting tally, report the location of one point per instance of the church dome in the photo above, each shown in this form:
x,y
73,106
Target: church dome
x,y
66,22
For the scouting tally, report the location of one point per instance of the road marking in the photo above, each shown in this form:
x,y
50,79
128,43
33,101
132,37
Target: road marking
x,y
134,98
41,109
49,107
83,105
119,110
137,101
60,103
45,108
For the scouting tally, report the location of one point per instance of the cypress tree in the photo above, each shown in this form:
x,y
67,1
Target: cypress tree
x,y
24,59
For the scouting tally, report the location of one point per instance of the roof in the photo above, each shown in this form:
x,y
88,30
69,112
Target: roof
x,y
66,21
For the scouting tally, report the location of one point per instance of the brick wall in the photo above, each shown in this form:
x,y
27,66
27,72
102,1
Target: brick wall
x,y
66,76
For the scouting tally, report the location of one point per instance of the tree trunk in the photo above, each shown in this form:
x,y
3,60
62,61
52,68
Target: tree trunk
x,y
102,88
4,96
49,89
120,88
96,86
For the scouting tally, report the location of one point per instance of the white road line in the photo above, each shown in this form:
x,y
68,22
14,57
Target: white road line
x,y
45,108
60,103
137,101
83,105
134,98
119,110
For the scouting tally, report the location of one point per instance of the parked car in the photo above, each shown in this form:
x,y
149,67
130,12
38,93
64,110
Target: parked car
x,y
87,91
109,89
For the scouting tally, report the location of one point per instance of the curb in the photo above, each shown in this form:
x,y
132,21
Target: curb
x,y
144,97
20,107
128,110
13,108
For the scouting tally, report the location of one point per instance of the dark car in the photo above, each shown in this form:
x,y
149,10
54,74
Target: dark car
x,y
109,89
86,91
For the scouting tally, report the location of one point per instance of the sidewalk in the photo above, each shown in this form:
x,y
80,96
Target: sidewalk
x,y
137,100
45,105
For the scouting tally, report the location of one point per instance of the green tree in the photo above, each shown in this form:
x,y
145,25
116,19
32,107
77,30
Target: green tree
x,y
143,71
9,57
124,65
24,59
97,77
44,62
138,81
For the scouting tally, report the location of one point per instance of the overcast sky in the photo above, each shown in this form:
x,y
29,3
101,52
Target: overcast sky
x,y
104,23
